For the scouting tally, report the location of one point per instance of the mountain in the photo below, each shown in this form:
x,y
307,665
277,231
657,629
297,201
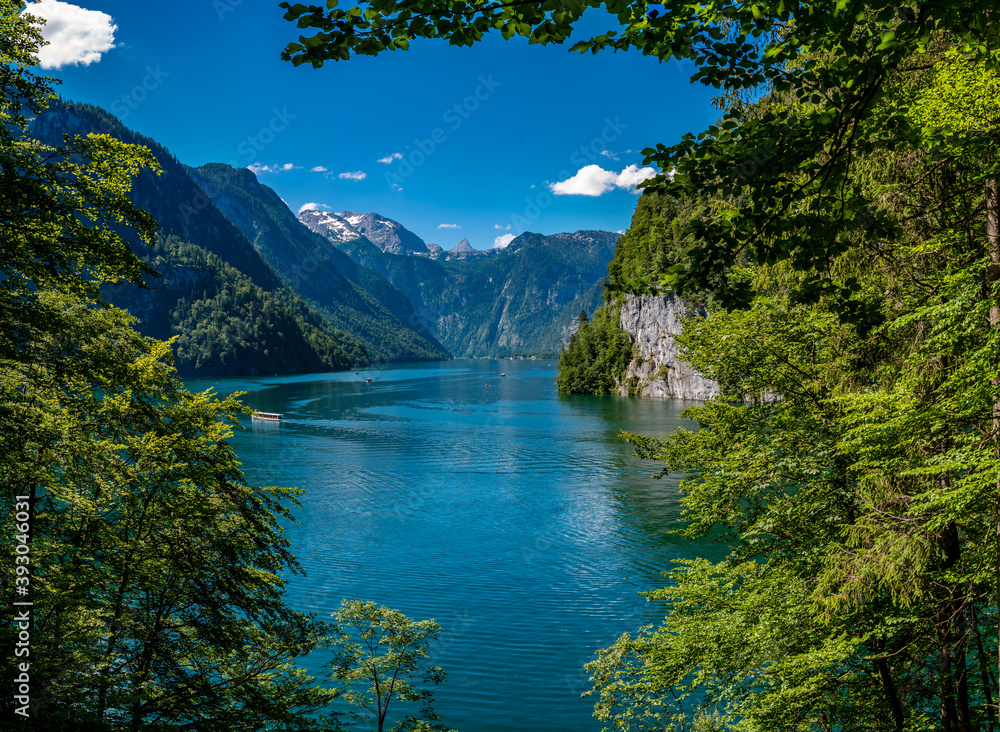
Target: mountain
x,y
226,325
329,225
629,345
352,297
230,309
463,247
172,198
248,287
388,235
523,299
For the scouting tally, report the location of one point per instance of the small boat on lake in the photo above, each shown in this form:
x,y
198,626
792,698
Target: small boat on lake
x,y
267,416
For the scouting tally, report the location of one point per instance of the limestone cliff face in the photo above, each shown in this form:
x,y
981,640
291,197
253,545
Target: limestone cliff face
x,y
657,370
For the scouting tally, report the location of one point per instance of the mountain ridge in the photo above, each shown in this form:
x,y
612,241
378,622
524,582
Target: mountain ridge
x,y
534,303
230,310
345,287
355,299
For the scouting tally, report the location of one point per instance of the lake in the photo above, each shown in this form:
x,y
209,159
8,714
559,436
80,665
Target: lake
x,y
516,517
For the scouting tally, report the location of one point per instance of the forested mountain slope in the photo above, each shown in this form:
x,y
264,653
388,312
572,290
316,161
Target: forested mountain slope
x,y
229,308
629,346
351,296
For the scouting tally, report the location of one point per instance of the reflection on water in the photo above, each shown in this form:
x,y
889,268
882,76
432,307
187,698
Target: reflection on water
x,y
516,517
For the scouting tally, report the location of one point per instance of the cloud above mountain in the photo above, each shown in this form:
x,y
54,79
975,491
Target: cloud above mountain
x,y
502,241
75,35
387,160
353,175
449,226
314,207
258,168
593,180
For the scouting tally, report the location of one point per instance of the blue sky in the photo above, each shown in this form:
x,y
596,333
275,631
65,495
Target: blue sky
x,y
479,142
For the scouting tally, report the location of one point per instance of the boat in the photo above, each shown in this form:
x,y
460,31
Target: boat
x,y
268,416
503,374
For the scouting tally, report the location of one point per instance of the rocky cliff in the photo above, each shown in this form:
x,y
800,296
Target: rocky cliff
x,y
657,369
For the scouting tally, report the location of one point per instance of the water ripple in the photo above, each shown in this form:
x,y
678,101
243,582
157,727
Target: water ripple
x,y
517,518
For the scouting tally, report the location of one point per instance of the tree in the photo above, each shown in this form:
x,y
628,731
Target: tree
x,y
597,355
379,655
154,572
857,488
61,206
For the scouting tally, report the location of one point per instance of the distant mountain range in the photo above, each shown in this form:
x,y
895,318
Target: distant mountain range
x,y
522,299
248,287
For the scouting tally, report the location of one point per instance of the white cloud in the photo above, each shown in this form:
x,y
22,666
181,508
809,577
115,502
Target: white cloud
x,y
387,160
257,168
449,226
314,207
318,169
633,175
503,240
613,155
75,35
593,180
500,227
353,175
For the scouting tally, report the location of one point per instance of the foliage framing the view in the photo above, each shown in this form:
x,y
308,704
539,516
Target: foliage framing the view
x,y
155,572
853,221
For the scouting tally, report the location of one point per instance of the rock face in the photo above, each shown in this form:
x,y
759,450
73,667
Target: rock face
x,y
388,235
653,321
463,247
329,225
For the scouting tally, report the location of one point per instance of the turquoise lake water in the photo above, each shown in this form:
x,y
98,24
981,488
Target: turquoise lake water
x,y
513,515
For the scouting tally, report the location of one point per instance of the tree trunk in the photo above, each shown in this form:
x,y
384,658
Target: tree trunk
x,y
889,688
984,670
960,656
949,715
993,277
